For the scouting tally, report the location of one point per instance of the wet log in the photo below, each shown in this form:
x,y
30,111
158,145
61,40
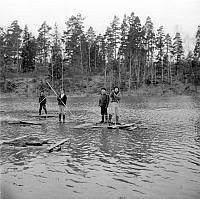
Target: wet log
x,y
26,122
50,149
122,126
43,116
83,125
13,140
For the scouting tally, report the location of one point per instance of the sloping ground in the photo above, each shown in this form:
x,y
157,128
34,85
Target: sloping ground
x,y
31,86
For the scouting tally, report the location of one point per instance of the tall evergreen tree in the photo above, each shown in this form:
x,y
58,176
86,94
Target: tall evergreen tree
x,y
74,39
56,67
44,43
28,51
135,46
177,50
12,43
149,39
160,43
197,45
90,37
168,56
2,47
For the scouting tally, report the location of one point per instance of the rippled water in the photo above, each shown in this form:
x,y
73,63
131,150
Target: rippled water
x,y
161,159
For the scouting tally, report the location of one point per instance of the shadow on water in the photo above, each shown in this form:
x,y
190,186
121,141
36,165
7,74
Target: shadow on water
x,y
158,159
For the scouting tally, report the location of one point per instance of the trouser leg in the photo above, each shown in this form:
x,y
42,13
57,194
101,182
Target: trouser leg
x,y
40,109
110,118
45,109
106,118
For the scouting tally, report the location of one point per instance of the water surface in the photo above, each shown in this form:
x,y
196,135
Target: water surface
x,y
160,159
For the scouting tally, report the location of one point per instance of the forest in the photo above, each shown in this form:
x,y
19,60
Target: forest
x,y
128,54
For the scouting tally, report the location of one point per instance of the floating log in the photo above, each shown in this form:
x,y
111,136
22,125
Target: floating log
x,y
50,149
26,122
83,125
13,140
122,126
43,116
131,128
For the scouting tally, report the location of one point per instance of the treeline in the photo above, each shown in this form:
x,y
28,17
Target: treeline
x,y
128,54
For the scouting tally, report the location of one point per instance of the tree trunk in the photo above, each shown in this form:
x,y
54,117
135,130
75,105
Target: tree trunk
x,y
129,85
119,82
89,59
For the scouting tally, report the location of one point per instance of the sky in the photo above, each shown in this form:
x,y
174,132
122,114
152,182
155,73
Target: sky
x,y
174,15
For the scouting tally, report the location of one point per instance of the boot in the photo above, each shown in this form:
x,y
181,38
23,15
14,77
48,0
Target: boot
x,y
63,118
60,117
117,120
106,117
110,119
102,120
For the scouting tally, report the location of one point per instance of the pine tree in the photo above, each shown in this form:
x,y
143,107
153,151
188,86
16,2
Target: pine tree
x,y
168,56
74,39
90,37
13,43
150,45
122,53
44,43
28,51
197,45
177,50
2,47
134,47
56,67
160,36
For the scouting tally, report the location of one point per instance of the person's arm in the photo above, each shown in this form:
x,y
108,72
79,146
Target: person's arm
x,y
117,97
64,99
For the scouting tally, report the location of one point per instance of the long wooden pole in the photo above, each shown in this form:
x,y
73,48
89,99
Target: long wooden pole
x,y
60,99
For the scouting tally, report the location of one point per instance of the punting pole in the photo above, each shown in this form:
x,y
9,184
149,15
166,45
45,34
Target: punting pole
x,y
60,99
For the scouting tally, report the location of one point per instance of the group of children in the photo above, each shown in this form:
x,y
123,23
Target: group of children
x,y
114,100
105,101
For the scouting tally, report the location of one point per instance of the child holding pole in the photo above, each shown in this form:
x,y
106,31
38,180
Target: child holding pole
x,y
62,99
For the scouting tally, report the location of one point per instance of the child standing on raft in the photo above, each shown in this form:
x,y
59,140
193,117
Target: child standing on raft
x,y
103,103
115,97
42,101
62,99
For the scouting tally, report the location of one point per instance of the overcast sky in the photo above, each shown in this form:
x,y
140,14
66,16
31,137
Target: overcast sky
x,y
174,15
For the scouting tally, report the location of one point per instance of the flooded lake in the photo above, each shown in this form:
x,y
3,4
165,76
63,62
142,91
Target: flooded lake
x,y
159,159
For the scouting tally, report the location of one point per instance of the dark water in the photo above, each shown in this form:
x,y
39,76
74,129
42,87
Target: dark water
x,y
161,159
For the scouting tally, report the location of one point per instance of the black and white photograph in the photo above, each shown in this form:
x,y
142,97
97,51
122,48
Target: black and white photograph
x,y
100,99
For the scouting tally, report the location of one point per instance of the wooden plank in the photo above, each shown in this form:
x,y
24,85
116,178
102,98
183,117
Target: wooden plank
x,y
31,122
83,125
12,140
43,116
122,126
26,122
131,128
49,149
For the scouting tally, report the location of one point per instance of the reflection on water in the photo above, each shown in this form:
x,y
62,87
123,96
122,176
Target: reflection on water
x,y
158,160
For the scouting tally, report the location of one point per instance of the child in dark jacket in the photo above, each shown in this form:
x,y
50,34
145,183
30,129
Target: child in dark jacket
x,y
42,101
103,103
